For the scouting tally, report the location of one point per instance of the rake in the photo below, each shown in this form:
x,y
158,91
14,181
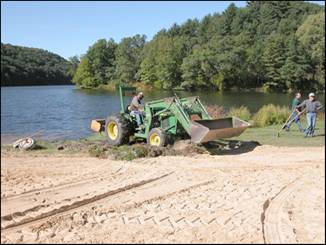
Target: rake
x,y
293,119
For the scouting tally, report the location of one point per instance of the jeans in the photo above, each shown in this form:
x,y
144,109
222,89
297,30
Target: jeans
x,y
311,123
297,121
137,114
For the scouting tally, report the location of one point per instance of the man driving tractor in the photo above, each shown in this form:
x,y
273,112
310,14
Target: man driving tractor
x,y
136,107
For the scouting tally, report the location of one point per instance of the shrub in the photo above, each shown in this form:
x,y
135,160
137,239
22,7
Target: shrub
x,y
271,115
129,152
98,151
216,111
241,112
122,153
139,150
218,81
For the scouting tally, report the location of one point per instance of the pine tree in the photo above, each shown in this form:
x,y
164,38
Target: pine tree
x,y
295,72
128,58
229,15
274,58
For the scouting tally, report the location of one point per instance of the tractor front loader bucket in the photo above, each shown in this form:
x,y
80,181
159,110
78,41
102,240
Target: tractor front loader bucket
x,y
212,129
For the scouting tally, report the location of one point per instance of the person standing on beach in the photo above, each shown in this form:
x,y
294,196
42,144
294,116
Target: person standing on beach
x,y
295,116
311,106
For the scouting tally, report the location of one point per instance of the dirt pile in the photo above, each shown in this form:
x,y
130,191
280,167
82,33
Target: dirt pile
x,y
180,148
102,149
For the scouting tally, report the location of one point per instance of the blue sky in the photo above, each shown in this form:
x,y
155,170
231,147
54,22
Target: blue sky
x,y
69,28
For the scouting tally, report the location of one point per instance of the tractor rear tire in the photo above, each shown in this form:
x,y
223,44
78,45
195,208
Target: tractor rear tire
x,y
157,137
118,130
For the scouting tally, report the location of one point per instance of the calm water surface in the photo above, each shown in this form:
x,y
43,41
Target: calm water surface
x,y
66,112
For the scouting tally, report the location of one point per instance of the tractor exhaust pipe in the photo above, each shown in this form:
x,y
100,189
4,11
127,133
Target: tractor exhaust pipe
x,y
202,131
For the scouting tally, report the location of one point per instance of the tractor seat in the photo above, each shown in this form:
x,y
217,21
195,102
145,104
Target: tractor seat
x,y
127,109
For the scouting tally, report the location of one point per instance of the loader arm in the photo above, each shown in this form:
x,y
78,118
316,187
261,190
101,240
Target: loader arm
x,y
206,129
177,110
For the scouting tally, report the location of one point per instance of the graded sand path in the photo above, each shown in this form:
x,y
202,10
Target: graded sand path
x,y
268,195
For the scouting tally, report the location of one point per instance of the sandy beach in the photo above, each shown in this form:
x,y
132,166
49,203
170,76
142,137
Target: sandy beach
x,y
268,195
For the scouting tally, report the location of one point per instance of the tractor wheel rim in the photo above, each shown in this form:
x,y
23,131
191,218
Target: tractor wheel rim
x,y
155,139
113,130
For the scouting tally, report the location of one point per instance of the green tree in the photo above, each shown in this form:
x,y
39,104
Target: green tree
x,y
255,64
32,66
74,62
275,45
97,66
83,76
162,61
274,57
297,68
101,59
128,58
312,35
228,17
197,69
147,69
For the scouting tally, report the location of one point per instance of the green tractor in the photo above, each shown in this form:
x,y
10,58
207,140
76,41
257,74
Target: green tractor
x,y
165,120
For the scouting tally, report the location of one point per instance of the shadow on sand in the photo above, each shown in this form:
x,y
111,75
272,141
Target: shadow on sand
x,y
319,135
231,147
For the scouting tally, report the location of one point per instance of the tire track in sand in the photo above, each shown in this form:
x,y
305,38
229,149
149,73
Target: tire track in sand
x,y
38,191
77,204
271,216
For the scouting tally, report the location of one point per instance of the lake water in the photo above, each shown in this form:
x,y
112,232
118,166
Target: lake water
x,y
66,112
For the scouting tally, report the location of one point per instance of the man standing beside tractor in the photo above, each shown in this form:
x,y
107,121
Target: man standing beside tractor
x,y
311,106
295,116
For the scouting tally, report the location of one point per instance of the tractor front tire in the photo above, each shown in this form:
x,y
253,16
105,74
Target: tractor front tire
x,y
117,129
157,137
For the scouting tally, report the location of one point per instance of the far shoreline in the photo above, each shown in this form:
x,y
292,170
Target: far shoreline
x,y
36,85
141,86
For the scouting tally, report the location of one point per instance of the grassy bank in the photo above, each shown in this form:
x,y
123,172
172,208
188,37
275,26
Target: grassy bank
x,y
97,146
265,125
268,136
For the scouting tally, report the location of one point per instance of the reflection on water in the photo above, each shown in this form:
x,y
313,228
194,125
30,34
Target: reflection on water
x,y
65,112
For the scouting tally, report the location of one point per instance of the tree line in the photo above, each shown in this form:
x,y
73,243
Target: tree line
x,y
32,66
273,45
